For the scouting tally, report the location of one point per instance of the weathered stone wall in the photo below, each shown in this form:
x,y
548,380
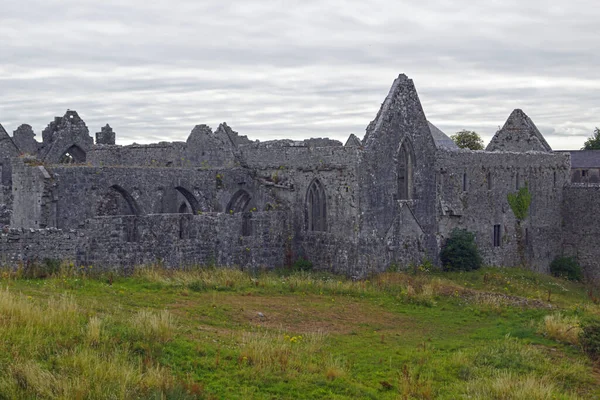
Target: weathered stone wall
x,y
34,195
585,175
467,199
24,139
581,226
218,198
8,151
164,154
300,155
287,169
183,239
83,191
400,123
22,246
65,134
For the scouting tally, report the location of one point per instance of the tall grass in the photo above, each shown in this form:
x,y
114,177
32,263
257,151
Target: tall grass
x,y
278,352
511,369
504,384
52,349
154,326
561,328
492,290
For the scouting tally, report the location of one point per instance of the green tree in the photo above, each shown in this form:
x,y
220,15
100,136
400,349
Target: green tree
x,y
593,142
468,140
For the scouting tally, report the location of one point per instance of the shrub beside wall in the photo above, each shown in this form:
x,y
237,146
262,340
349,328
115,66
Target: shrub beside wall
x,y
460,252
567,268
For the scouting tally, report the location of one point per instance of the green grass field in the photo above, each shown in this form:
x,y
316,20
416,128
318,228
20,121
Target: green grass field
x,y
227,334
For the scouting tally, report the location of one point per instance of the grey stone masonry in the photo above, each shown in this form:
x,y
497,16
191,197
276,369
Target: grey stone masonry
x,y
106,135
24,139
519,133
218,198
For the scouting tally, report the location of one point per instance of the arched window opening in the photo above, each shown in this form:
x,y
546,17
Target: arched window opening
x,y
118,201
183,209
238,202
191,203
316,207
405,171
73,155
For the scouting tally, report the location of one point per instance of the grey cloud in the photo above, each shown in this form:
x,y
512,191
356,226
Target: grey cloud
x,y
315,68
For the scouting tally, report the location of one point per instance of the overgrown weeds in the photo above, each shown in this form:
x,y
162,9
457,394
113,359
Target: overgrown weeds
x,y
561,328
52,349
278,351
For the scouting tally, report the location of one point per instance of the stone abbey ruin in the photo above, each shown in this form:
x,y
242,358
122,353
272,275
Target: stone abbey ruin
x,y
221,199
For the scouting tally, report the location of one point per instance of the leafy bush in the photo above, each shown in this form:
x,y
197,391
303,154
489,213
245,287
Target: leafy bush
x,y
566,267
589,338
460,252
519,202
302,264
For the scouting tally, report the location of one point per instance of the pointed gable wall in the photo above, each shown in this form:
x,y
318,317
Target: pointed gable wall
x,y
7,146
518,134
24,139
353,141
400,123
63,134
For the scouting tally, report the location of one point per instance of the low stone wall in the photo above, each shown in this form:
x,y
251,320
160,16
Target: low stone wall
x,y
22,246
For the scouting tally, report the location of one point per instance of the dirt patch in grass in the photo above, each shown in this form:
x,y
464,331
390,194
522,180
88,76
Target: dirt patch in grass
x,y
303,314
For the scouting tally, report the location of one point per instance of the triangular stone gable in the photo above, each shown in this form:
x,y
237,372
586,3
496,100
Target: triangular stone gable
x,y
399,138
518,134
7,146
63,133
353,141
401,108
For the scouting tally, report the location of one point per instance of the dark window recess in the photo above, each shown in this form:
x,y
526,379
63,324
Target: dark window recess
x,y
405,172
464,182
490,184
584,173
554,183
239,202
496,235
316,208
183,227
131,230
247,224
73,154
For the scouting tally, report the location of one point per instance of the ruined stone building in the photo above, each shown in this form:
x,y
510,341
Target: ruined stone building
x,y
219,198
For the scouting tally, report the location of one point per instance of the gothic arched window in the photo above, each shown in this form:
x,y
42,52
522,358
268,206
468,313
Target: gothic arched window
x,y
405,171
316,208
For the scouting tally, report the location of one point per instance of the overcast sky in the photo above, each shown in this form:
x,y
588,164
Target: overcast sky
x,y
298,69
